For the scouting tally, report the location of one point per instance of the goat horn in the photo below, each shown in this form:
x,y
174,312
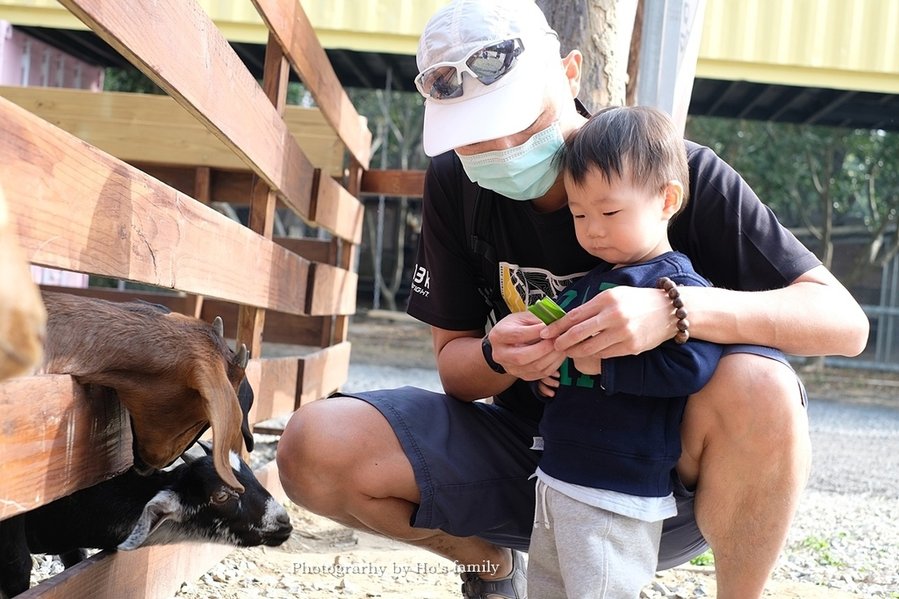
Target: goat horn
x,y
219,326
242,357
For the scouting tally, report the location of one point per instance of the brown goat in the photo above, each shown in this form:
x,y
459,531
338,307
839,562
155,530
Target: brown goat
x,y
22,315
174,373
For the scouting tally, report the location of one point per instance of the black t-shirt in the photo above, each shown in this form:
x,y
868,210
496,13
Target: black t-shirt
x,y
733,240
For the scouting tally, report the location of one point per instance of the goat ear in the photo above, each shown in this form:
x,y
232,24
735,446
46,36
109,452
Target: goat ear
x,y
242,357
164,506
219,326
194,453
223,410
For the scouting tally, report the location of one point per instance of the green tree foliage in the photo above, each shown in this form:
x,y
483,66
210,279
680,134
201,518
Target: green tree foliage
x,y
819,178
128,80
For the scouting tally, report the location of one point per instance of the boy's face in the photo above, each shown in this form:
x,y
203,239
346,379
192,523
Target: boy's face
x,y
618,221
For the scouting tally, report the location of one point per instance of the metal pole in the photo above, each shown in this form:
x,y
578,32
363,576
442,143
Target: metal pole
x,y
672,31
891,318
879,340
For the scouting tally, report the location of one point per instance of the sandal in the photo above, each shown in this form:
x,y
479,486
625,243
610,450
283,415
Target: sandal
x,y
513,586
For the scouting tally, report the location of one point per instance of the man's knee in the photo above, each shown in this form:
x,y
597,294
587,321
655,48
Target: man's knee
x,y
315,452
752,404
298,456
748,387
336,452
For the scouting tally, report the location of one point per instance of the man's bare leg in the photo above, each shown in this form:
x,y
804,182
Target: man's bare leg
x,y
746,448
339,458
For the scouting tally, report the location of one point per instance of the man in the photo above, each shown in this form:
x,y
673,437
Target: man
x,y
451,474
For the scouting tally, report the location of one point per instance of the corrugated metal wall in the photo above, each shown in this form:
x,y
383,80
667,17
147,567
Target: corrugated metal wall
x,y
850,44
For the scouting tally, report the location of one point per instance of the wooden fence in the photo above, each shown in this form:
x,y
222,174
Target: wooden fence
x,y
119,185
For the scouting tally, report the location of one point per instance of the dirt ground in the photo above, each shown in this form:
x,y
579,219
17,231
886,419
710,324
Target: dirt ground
x,y
323,559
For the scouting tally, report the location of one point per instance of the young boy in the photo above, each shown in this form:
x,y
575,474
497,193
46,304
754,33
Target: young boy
x,y
610,430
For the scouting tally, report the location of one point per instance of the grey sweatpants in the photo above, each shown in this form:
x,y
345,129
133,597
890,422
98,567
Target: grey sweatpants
x,y
580,552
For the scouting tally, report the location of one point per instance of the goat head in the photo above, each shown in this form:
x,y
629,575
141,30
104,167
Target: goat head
x,y
175,374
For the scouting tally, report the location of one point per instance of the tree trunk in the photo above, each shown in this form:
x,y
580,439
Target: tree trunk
x,y
601,30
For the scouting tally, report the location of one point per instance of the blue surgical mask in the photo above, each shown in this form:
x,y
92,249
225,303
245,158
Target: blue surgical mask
x,y
524,172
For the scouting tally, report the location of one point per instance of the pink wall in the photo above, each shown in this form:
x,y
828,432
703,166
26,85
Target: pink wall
x,y
25,61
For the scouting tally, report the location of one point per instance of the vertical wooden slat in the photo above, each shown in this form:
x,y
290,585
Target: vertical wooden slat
x,y
251,320
347,250
203,194
203,184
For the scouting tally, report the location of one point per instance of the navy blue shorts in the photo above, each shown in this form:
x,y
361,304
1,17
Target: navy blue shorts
x,y
473,464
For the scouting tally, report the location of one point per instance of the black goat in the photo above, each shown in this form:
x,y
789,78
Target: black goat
x,y
187,503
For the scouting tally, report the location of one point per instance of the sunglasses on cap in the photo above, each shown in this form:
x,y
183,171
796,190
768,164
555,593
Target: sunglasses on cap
x,y
488,65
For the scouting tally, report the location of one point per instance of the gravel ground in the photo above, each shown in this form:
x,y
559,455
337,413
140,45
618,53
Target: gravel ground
x,y
844,541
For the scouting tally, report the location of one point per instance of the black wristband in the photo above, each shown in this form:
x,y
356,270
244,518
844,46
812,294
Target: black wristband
x,y
487,349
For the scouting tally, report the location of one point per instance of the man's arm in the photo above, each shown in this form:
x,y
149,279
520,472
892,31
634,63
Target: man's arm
x,y
813,316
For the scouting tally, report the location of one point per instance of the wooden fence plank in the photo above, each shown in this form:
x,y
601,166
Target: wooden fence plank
x,y
337,210
274,382
233,187
322,373
146,128
335,207
57,440
280,327
288,22
126,125
393,183
285,383
329,284
314,250
130,226
195,65
154,572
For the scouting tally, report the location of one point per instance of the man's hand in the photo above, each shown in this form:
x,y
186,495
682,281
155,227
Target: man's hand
x,y
519,347
620,321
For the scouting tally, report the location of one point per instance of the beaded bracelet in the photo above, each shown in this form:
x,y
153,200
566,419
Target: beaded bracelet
x,y
683,325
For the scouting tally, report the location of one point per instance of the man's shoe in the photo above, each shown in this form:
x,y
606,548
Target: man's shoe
x,y
513,586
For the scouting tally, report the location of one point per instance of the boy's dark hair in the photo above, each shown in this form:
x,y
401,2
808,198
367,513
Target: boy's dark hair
x,y
637,142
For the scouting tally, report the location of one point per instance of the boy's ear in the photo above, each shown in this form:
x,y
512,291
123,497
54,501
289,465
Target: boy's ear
x,y
674,198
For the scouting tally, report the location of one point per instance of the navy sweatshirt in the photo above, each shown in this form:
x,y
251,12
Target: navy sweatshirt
x,y
620,430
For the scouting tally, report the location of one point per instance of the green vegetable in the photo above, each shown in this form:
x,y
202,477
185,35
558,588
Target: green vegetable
x,y
546,310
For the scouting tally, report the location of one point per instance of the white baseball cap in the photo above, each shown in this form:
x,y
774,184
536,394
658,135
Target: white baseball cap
x,y
508,105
